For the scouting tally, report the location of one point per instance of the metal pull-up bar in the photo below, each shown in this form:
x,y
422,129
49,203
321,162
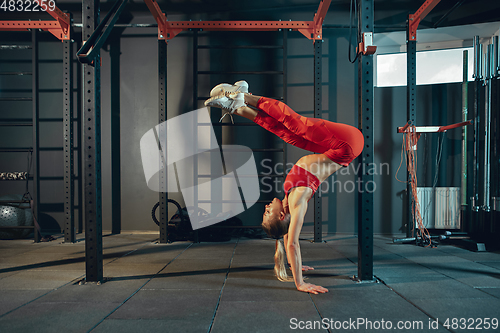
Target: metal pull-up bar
x,y
90,49
168,30
408,128
433,129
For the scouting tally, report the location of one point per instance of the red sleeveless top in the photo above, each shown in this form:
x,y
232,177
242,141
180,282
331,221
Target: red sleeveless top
x,y
299,177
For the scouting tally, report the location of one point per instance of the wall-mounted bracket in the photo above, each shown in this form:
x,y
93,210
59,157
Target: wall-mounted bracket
x,y
366,47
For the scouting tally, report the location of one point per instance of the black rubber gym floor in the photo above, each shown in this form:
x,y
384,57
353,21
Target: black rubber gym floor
x,y
230,287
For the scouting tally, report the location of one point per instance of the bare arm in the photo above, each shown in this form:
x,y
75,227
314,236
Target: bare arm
x,y
305,268
298,207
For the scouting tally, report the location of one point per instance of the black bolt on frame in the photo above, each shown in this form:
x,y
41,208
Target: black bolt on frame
x,y
366,183
92,151
317,114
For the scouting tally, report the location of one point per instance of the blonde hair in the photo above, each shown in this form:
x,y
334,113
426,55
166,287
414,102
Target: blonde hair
x,y
280,263
276,229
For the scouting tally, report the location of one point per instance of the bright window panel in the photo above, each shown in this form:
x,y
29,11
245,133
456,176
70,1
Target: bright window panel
x,y
441,66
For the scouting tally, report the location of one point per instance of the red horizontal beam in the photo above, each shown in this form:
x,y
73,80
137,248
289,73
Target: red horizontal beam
x,y
172,29
54,27
241,25
24,25
60,28
169,29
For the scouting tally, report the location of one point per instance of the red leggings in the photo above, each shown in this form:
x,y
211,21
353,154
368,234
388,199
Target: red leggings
x,y
341,143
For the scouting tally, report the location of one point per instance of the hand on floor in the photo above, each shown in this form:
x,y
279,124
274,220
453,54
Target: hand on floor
x,y
311,288
304,267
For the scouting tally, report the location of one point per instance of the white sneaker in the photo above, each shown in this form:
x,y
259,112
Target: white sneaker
x,y
240,86
230,101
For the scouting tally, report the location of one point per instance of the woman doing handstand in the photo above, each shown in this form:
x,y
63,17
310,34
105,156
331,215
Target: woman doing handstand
x,y
335,145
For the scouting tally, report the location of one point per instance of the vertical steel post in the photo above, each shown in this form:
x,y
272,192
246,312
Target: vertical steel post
x,y
365,178
318,50
195,70
487,129
285,93
285,66
92,150
114,52
162,117
411,115
465,108
69,182
478,58
195,107
496,128
478,75
79,138
36,130
495,60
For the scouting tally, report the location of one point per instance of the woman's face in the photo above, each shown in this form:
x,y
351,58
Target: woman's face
x,y
274,211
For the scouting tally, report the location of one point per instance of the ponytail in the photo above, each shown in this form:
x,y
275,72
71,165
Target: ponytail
x,y
279,263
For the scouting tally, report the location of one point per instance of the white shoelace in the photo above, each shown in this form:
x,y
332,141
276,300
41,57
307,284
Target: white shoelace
x,y
224,116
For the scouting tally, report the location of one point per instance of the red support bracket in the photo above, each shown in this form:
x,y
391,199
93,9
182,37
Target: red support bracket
x,y
60,28
63,19
160,18
415,19
319,17
168,30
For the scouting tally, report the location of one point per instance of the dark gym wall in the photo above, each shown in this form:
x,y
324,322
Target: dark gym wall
x,y
51,131
137,87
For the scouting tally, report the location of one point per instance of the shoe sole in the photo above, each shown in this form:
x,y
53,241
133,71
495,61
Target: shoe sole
x,y
242,87
213,98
